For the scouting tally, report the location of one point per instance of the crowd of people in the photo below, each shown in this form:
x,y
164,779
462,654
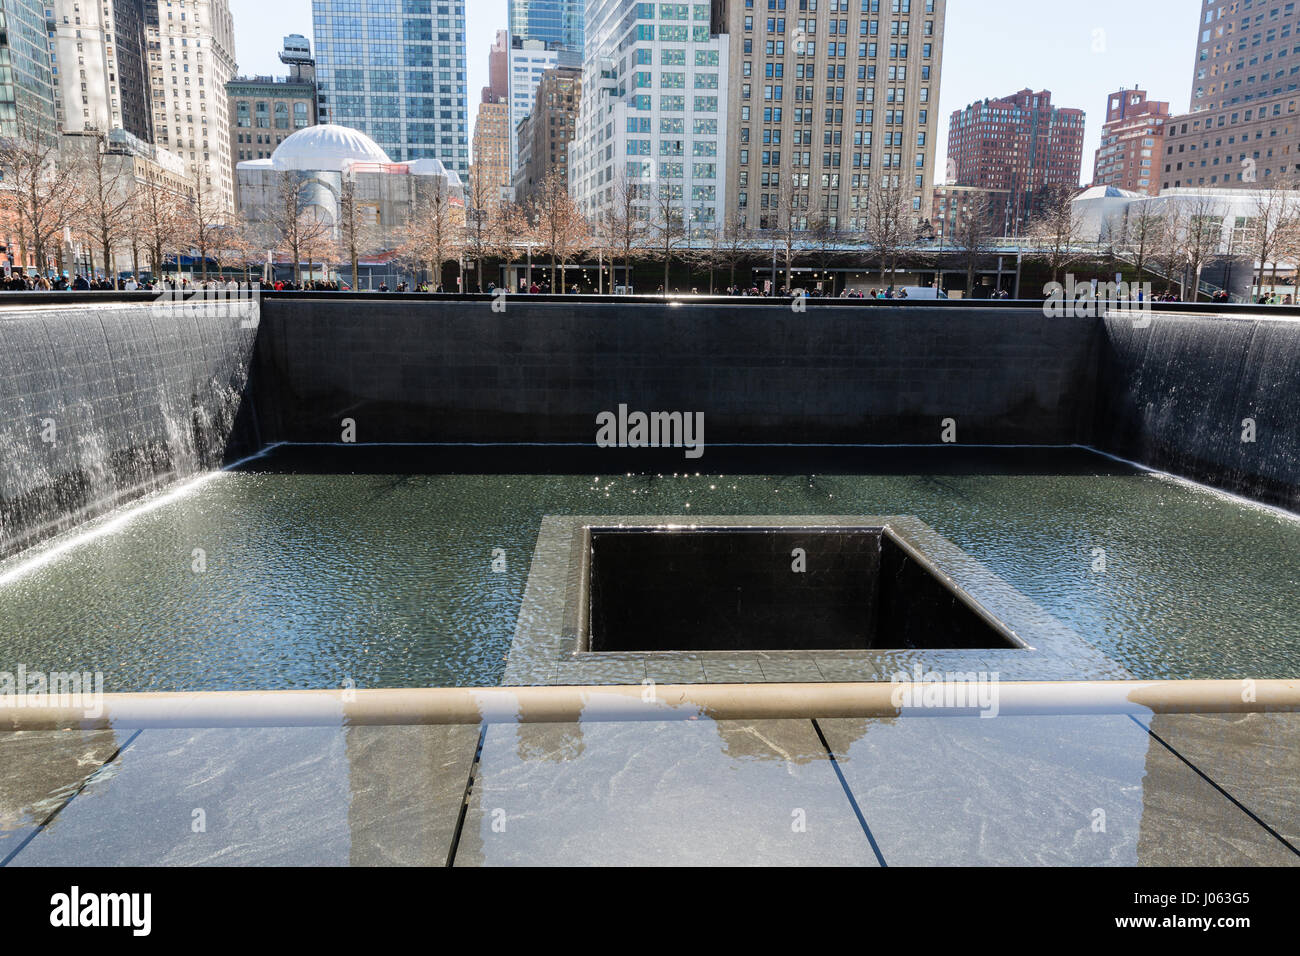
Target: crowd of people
x,y
18,282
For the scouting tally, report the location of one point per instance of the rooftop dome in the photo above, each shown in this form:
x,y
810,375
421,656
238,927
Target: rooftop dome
x,y
327,146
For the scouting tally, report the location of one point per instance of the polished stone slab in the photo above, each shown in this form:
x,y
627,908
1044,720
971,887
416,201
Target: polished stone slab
x,y
1033,791
1254,757
696,792
268,796
39,771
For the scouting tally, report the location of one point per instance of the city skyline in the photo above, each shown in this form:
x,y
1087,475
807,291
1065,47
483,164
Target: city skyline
x,y
1081,64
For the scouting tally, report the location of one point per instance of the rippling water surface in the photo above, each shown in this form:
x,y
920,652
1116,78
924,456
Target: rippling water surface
x,y
386,578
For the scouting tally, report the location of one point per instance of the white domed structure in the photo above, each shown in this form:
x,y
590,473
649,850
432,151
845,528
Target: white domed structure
x,y
326,147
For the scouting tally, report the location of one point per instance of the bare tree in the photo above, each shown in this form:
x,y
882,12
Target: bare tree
x,y
1141,235
666,225
892,223
37,192
732,246
359,231
486,230
1056,231
298,225
1202,238
622,226
157,215
972,234
436,231
785,228
558,227
107,195
240,246
1275,212
826,241
1167,245
204,219
517,230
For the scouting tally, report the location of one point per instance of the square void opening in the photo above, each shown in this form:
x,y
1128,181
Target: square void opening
x,y
729,589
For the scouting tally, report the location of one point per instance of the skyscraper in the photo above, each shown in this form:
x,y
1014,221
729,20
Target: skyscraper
x,y
1242,130
396,72
493,130
100,67
491,153
556,22
653,119
544,35
26,84
498,69
823,97
191,46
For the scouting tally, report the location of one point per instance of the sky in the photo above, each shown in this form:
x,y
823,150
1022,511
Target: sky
x,y
1082,52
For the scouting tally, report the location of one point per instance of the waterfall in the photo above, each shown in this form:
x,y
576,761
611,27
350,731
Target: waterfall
x,y
1211,398
103,404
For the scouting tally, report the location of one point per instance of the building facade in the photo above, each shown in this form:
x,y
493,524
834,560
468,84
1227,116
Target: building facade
x,y
548,132
1021,144
396,72
191,47
824,95
26,83
267,110
653,119
953,206
99,62
498,87
558,23
127,162
492,152
528,60
1243,130
320,160
1131,141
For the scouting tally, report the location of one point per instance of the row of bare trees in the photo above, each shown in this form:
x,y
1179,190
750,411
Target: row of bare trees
x,y
1174,239
76,191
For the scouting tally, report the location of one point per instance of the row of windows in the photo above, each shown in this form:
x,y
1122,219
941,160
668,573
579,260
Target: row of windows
x,y
674,104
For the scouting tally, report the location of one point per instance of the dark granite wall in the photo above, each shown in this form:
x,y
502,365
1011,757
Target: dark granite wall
x,y
450,371
142,396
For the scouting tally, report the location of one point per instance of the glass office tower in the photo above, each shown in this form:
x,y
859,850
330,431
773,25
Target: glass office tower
x,y
554,22
395,70
26,83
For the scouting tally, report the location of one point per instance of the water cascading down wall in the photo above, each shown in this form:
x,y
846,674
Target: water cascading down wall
x,y
101,404
1207,397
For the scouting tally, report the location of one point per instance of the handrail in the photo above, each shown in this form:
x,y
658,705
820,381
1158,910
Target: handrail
x,y
665,702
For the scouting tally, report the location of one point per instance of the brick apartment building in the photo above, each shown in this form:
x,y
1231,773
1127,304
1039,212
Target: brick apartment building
x,y
1132,141
1020,144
